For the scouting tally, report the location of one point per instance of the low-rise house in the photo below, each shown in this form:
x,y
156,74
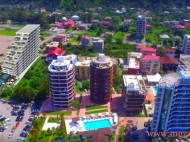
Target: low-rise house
x,y
52,54
83,27
168,64
108,34
179,27
169,52
75,18
145,50
107,19
42,10
150,64
164,37
148,26
51,46
68,24
85,41
59,25
60,38
127,22
105,24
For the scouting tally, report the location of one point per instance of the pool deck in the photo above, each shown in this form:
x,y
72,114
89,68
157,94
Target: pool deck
x,y
79,126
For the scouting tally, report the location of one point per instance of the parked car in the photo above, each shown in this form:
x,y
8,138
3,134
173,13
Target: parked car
x,y
2,129
19,118
8,122
10,135
2,119
14,113
16,108
1,116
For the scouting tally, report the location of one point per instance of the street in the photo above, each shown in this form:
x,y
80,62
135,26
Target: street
x,y
5,110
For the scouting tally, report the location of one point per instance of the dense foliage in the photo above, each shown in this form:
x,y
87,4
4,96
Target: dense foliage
x,y
35,88
81,3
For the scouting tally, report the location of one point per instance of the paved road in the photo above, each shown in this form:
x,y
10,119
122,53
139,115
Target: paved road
x,y
5,109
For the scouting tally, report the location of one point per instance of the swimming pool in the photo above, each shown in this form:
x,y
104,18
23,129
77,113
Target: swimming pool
x,y
155,90
97,124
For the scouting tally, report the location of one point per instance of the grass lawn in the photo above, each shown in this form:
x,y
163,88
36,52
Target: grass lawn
x,y
8,32
53,120
96,111
118,35
73,40
45,34
78,87
58,112
88,33
95,107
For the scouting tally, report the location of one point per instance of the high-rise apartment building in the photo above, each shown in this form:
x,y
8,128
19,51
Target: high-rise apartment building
x,y
23,51
62,82
133,94
101,79
140,26
97,45
186,45
172,107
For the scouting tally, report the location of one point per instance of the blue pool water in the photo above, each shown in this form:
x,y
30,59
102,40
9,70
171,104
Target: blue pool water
x,y
155,90
4,76
94,125
1,81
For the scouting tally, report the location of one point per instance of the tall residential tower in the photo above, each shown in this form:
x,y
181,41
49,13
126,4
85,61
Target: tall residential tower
x,y
172,107
101,79
23,51
62,82
186,45
140,26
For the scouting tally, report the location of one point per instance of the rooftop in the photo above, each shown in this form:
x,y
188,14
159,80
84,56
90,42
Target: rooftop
x,y
168,60
188,36
57,51
164,36
154,78
60,36
102,61
148,49
131,82
133,63
83,63
151,57
170,79
86,37
70,57
53,44
169,50
60,65
28,28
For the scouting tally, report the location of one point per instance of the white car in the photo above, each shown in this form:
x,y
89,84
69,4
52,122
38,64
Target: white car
x,y
1,116
5,127
10,135
8,123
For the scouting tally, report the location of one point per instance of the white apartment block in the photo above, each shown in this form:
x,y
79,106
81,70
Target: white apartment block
x,y
23,51
97,45
140,26
62,82
186,45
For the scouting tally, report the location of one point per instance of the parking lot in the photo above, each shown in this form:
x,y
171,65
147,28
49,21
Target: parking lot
x,y
5,110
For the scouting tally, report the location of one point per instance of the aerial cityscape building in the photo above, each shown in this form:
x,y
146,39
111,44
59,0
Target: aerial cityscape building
x,y
141,26
172,100
133,94
62,82
23,51
97,45
101,79
186,45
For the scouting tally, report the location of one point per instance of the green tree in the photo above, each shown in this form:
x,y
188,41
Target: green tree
x,y
7,92
60,45
119,40
111,137
86,84
161,72
35,123
75,104
160,52
63,128
79,38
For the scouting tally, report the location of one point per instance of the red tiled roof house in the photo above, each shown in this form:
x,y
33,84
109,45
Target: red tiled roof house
x,y
60,38
168,63
150,64
52,54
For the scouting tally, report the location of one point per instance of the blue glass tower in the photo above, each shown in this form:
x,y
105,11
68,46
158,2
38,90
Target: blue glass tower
x,y
172,106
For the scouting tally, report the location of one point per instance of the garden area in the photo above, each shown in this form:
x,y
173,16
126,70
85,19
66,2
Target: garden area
x,y
8,32
118,50
96,109
53,120
58,112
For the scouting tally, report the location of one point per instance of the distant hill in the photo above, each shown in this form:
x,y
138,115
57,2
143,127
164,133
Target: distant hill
x,y
91,3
